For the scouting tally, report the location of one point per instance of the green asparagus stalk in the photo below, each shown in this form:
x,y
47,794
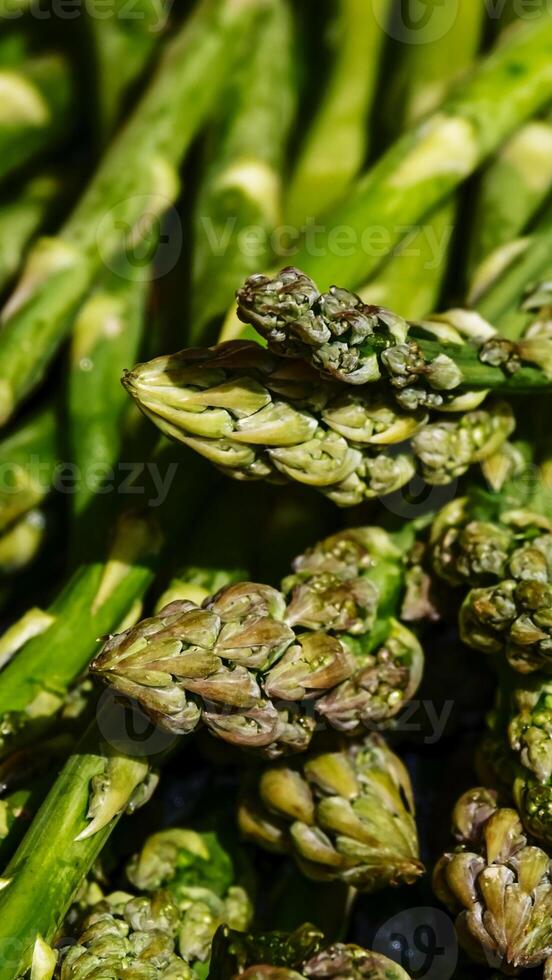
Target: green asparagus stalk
x,y
37,106
335,147
11,9
21,218
361,344
298,955
498,883
422,169
46,652
20,544
106,336
242,186
122,46
411,281
28,460
513,188
64,840
133,187
247,662
344,812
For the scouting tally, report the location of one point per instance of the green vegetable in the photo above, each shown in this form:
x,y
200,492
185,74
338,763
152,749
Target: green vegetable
x,y
412,280
37,109
28,460
498,883
241,189
428,162
344,812
133,187
336,144
47,652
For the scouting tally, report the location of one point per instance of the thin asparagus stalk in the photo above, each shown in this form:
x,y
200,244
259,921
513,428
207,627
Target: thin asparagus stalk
x,y
361,344
513,188
37,108
106,336
62,843
133,186
21,218
46,652
421,169
28,460
242,186
412,280
20,544
336,145
345,812
123,46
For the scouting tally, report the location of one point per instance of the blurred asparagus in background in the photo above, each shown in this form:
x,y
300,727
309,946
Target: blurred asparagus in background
x,y
134,186
106,335
512,190
412,280
28,461
123,44
336,144
414,175
21,217
38,105
238,206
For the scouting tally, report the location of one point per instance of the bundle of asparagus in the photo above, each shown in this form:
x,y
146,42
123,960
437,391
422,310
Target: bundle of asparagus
x,y
354,144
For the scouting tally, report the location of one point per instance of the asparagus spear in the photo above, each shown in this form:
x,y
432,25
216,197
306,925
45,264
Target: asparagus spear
x,y
242,185
499,882
37,105
264,418
28,460
61,844
416,173
295,956
512,190
123,43
412,280
231,661
344,812
20,544
132,188
106,337
21,218
186,887
48,651
336,144
361,344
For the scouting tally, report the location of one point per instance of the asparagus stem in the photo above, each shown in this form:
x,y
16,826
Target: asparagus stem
x,y
21,218
28,460
242,185
412,279
122,47
59,849
94,603
37,106
416,173
134,185
336,144
513,188
105,338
